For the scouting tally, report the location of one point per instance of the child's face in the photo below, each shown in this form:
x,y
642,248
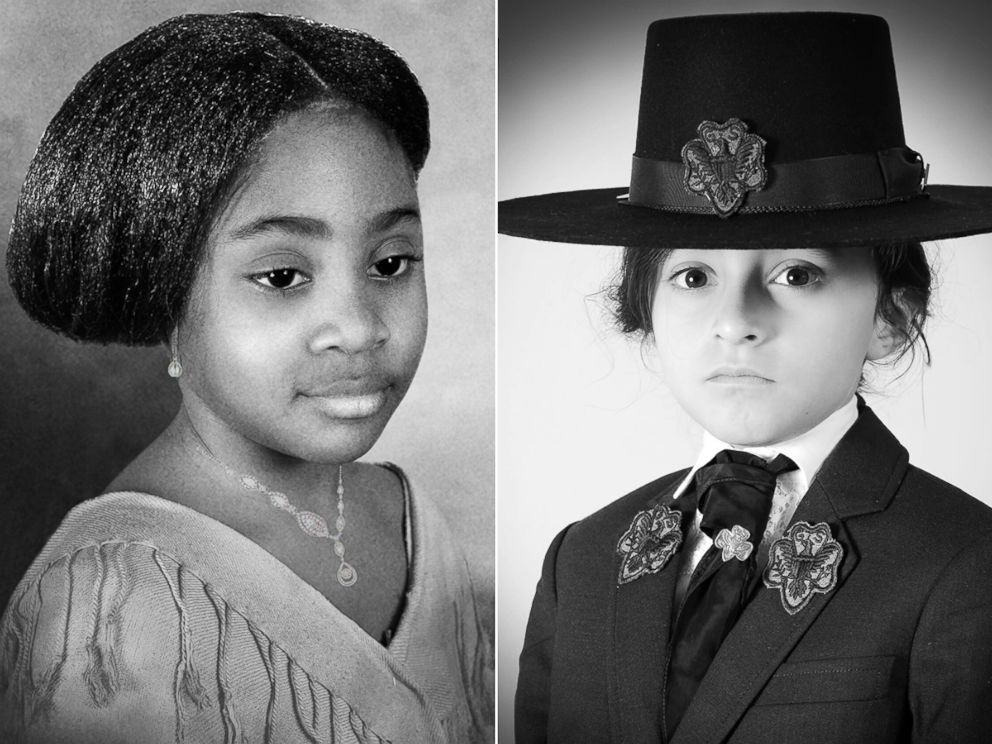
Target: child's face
x,y
759,346
308,318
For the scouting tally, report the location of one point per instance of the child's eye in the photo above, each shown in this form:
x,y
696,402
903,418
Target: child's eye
x,y
691,278
391,266
281,279
797,276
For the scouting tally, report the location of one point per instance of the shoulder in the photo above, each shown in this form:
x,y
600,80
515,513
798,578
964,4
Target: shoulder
x,y
83,639
110,518
955,506
441,583
928,510
431,531
447,641
951,659
437,553
956,529
959,521
607,524
933,532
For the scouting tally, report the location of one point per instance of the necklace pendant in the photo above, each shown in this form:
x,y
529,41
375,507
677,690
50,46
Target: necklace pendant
x,y
309,522
346,574
312,524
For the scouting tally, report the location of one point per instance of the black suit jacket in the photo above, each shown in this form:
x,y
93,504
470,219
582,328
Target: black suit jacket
x,y
899,651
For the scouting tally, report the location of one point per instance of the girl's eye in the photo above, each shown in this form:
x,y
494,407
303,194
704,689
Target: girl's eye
x,y
797,276
281,278
391,266
691,278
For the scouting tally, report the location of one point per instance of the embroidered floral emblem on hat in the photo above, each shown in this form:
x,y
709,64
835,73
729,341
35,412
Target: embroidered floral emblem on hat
x,y
652,538
724,164
803,562
734,543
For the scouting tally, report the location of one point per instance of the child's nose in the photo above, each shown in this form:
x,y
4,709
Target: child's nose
x,y
349,322
740,317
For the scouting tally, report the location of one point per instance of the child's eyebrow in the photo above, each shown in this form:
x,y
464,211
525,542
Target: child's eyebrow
x,y
818,255
312,228
824,254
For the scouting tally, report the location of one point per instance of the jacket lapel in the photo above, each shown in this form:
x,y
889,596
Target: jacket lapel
x,y
859,477
641,612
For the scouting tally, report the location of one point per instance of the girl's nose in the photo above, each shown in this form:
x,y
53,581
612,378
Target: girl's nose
x,y
350,323
742,316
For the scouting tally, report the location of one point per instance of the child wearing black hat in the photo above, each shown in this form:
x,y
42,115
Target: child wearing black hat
x,y
802,581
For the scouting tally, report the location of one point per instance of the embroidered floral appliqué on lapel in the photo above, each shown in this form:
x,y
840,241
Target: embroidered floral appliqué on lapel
x,y
724,164
652,538
803,562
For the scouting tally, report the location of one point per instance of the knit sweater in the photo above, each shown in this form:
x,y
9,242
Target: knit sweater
x,y
145,621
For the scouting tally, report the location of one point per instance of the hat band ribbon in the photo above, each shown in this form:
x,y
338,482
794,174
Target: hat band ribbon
x,y
834,182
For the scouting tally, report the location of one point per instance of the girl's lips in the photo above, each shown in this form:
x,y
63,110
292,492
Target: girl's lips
x,y
350,406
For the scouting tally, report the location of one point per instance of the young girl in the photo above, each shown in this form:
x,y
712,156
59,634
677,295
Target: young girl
x,y
801,582
243,188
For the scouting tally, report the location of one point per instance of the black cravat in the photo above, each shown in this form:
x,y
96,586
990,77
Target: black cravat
x,y
734,493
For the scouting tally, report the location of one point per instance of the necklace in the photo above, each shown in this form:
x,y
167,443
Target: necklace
x,y
311,523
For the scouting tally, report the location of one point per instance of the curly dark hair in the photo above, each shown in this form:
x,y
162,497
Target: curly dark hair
x,y
117,203
905,287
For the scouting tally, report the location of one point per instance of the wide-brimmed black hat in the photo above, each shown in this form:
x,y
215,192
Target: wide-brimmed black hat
x,y
765,130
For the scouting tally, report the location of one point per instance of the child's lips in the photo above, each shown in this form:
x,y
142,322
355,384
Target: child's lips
x,y
734,375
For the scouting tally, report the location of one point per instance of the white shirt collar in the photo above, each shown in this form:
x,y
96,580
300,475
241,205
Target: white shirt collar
x,y
808,450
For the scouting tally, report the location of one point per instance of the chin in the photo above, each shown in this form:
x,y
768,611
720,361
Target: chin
x,y
332,452
318,440
744,439
346,442
746,431
319,433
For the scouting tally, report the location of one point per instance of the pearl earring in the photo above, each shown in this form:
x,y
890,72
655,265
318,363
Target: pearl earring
x,y
175,366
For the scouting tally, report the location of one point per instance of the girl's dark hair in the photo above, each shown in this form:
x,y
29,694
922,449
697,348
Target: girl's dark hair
x,y
905,284
116,206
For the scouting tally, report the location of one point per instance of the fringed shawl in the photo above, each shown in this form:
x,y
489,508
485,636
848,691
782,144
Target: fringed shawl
x,y
143,620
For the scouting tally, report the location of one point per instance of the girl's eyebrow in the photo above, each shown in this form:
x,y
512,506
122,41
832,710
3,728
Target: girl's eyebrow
x,y
391,218
316,229
293,225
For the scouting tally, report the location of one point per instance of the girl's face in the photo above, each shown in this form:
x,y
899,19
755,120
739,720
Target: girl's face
x,y
309,314
759,346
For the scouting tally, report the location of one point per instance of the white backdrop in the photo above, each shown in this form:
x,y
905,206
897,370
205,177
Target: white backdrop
x,y
581,421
